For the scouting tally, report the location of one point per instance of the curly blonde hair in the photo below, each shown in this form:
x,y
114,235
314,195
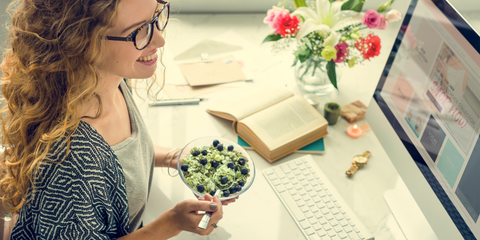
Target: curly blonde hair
x,y
50,72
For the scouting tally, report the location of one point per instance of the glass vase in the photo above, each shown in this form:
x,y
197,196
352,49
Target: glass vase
x,y
311,76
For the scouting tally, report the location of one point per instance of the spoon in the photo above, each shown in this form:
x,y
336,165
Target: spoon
x,y
222,182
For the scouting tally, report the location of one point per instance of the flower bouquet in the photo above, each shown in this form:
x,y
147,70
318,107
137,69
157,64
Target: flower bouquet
x,y
327,33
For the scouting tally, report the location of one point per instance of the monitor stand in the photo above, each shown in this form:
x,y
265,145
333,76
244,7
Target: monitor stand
x,y
408,215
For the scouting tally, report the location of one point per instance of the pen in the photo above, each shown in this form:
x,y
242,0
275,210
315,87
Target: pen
x,y
173,102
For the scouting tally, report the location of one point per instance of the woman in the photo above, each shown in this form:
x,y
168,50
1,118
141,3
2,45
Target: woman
x,y
78,162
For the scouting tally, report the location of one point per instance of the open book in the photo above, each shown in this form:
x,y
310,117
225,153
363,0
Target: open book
x,y
273,121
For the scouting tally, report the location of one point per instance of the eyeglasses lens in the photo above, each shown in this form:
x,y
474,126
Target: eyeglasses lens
x,y
143,36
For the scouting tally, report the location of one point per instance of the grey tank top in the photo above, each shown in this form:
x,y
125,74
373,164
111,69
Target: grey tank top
x,y
137,157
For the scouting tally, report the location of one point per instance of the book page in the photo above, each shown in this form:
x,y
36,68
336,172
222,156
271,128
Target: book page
x,y
251,102
285,122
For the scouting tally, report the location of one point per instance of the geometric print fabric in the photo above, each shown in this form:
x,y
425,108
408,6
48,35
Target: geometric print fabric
x,y
84,197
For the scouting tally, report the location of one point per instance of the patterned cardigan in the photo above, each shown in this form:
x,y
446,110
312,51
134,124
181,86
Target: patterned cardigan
x,y
82,198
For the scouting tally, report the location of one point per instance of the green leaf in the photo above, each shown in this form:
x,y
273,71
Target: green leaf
x,y
354,5
299,3
295,62
272,38
332,75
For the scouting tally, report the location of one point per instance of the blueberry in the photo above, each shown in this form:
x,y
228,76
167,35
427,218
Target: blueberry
x,y
184,167
212,192
241,161
215,142
230,148
200,188
196,153
235,168
220,147
231,165
241,183
214,164
238,188
204,152
203,161
226,193
244,171
223,180
232,190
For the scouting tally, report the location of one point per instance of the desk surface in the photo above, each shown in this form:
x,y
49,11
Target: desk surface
x,y
258,214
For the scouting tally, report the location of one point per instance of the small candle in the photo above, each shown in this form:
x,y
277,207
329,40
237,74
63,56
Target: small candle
x,y
332,112
354,131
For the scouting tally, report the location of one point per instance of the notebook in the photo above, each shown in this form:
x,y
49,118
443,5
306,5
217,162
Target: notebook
x,y
317,147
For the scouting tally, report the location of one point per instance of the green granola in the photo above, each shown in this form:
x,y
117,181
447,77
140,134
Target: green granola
x,y
201,171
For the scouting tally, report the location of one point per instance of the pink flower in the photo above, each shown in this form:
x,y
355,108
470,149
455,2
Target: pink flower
x,y
272,14
372,19
383,24
393,16
342,52
286,25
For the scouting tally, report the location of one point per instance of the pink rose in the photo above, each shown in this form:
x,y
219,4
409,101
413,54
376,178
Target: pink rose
x,y
342,52
272,14
383,24
393,16
372,19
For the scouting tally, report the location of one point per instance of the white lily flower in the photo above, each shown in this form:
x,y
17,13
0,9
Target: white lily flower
x,y
328,18
333,39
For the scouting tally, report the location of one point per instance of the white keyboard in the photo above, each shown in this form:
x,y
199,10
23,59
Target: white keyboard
x,y
313,201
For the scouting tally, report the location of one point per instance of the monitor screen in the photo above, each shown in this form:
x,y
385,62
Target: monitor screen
x,y
429,93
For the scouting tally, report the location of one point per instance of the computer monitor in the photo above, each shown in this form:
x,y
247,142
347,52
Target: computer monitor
x,y
426,113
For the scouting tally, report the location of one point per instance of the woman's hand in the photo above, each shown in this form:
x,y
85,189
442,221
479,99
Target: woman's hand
x,y
186,217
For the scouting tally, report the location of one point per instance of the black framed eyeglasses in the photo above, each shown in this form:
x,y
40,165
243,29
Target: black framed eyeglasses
x,y
142,36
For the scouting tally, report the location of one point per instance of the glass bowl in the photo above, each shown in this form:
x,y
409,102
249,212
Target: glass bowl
x,y
195,165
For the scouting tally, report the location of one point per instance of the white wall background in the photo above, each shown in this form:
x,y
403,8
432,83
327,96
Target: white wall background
x,y
260,6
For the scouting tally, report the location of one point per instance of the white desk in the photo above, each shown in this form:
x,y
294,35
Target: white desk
x,y
258,214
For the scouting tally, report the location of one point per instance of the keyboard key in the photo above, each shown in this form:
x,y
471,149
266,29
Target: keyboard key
x,y
317,226
342,235
310,203
351,223
324,210
308,188
290,175
298,161
323,221
318,215
301,178
347,228
302,192
338,229
329,216
321,205
346,216
268,171
289,186
314,209
296,172
280,173
328,192
305,160
304,209
316,199
306,197
276,182
314,237
317,188
356,229
312,220
285,169
292,165
333,222
280,188
337,216
320,192
312,194
310,178
285,181
300,203
335,211
308,214
322,232
304,182
335,238
293,192
305,224
331,233
330,205
296,197
309,231
353,236
298,186
290,202
344,223
272,176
